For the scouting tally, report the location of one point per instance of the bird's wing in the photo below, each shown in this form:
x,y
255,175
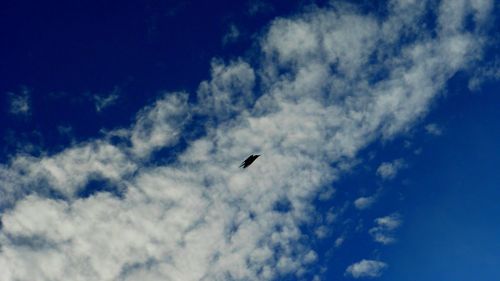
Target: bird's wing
x,y
244,164
249,161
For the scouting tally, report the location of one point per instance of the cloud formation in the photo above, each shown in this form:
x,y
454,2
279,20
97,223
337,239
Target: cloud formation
x,y
331,81
389,170
20,102
232,35
364,202
366,268
102,102
383,232
433,129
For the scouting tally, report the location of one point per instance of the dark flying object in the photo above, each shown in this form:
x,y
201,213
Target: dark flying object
x,y
248,161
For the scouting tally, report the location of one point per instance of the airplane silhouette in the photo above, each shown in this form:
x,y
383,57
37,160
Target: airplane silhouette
x,y
249,161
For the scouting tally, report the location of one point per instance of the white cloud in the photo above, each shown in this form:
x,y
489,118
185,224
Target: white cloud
x,y
389,170
20,103
229,92
322,231
339,241
366,268
310,257
231,35
490,71
327,193
258,7
331,216
363,203
433,129
322,100
159,125
102,102
384,231
65,173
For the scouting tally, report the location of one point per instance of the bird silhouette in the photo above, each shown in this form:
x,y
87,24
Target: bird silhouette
x,y
249,161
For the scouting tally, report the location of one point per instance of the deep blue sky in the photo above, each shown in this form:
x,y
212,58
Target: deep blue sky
x,y
448,195
65,52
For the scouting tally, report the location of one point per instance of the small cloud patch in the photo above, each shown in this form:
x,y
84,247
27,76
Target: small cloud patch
x,y
20,103
363,203
102,102
339,241
231,35
433,129
384,231
389,170
257,7
366,268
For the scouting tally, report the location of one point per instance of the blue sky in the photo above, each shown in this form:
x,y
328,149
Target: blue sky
x,y
124,123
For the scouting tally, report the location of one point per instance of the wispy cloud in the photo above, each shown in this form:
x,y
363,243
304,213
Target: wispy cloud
x,y
366,268
199,217
339,241
383,232
103,101
20,102
433,129
256,7
488,72
232,35
159,125
389,170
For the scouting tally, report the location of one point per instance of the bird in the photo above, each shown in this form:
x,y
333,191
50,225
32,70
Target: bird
x,y
249,161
